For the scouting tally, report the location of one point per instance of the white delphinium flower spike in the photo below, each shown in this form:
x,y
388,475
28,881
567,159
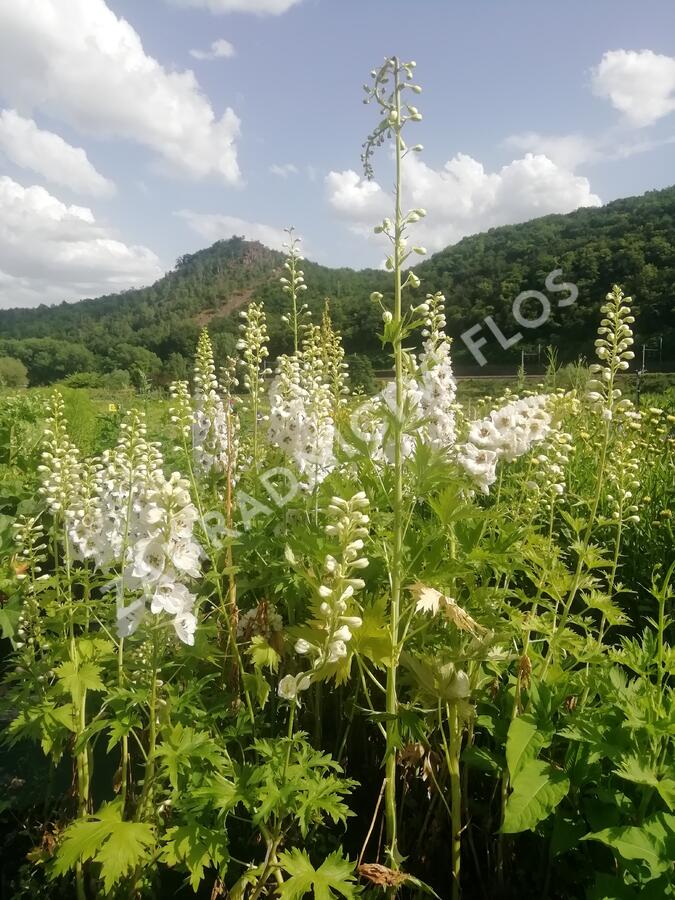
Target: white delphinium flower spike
x,y
165,552
613,349
337,614
438,385
60,470
506,434
301,421
211,435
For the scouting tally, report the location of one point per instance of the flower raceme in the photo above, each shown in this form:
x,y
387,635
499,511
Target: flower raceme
x,y
213,429
325,641
428,412
613,349
428,396
132,522
301,420
61,468
506,433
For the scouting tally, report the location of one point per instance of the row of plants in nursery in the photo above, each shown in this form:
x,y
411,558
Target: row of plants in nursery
x,y
293,641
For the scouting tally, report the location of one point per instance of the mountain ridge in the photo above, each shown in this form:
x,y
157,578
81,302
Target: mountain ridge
x,y
630,241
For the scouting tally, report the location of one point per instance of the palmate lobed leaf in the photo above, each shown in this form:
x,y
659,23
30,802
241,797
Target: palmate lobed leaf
x,y
118,846
76,680
263,655
196,847
186,746
633,768
333,878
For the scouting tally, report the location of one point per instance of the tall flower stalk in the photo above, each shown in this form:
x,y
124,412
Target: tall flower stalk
x,y
293,284
389,83
253,346
613,349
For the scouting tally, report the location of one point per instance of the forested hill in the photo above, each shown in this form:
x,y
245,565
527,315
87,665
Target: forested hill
x,y
154,329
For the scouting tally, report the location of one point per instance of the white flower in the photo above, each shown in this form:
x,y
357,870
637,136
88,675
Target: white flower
x,y
171,597
337,650
288,688
184,555
149,558
185,624
130,617
461,686
343,634
480,464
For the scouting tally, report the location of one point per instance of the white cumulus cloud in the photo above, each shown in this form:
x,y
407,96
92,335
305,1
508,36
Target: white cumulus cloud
x,y
639,83
47,154
566,150
256,7
50,251
216,227
80,62
462,198
355,197
220,49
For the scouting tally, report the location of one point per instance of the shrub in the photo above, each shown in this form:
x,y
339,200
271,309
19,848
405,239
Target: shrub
x,y
13,373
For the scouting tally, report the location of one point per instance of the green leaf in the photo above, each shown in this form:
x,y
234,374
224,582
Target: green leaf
x,y
652,844
335,876
372,639
9,619
666,788
76,680
126,847
523,743
482,759
537,789
263,655
632,768
119,847
185,746
256,683
197,848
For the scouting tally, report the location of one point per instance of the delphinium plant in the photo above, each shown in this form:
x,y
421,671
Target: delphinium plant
x,y
439,605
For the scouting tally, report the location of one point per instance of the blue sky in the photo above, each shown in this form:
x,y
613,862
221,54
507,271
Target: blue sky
x,y
114,159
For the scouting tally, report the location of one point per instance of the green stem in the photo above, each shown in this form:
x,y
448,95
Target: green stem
x,y
212,550
662,596
289,735
145,803
553,645
453,747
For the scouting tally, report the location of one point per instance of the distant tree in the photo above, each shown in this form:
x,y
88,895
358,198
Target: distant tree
x,y
361,374
176,368
49,359
13,373
117,380
84,380
133,358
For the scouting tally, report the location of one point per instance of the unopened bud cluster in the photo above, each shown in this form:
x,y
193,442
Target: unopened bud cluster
x,y
613,349
337,614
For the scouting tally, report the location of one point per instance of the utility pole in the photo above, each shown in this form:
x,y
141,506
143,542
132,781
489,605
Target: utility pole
x,y
643,370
